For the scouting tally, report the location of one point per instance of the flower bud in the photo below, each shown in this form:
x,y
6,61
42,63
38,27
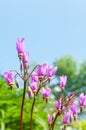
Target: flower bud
x,y
9,77
20,47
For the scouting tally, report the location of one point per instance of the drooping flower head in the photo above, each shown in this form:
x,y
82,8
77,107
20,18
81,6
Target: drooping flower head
x,y
50,71
58,105
30,93
71,115
74,110
25,58
46,93
20,47
34,76
46,70
63,80
33,87
50,118
41,71
66,118
9,77
82,100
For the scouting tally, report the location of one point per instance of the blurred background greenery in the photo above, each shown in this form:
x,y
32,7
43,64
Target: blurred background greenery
x,y
10,100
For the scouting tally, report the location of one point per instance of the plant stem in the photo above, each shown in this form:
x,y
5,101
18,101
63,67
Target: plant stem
x,y
18,74
33,70
22,106
49,127
31,115
58,114
32,112
54,122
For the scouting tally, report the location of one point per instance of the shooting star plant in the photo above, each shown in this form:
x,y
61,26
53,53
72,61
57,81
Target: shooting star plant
x,y
39,80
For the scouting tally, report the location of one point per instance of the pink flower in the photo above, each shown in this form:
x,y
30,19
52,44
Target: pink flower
x,y
74,110
82,100
58,105
50,71
50,118
34,77
66,118
46,93
41,71
30,94
9,77
25,58
46,70
20,47
63,80
33,87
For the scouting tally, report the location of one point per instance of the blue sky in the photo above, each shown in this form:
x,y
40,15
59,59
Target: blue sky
x,y
52,29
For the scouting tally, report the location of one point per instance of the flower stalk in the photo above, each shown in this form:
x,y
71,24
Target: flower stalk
x,y
31,115
22,107
32,109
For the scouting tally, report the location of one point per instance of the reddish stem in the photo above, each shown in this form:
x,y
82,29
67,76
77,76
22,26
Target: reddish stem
x,y
31,115
32,112
22,107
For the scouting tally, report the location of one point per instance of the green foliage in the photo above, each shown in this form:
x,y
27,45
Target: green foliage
x,y
66,65
10,103
83,125
81,78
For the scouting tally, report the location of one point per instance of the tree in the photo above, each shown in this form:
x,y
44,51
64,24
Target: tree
x,y
81,78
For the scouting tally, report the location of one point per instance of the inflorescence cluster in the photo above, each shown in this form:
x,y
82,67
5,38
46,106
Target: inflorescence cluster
x,y
38,81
